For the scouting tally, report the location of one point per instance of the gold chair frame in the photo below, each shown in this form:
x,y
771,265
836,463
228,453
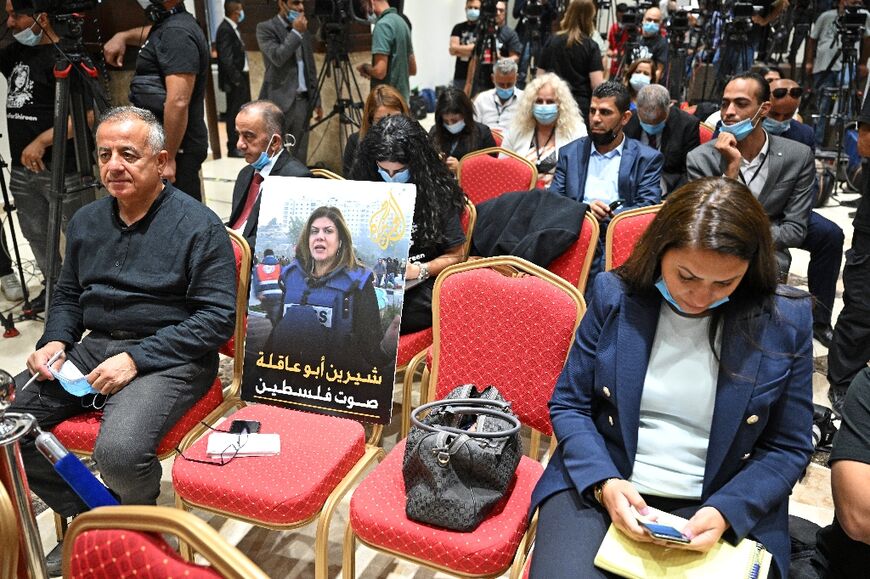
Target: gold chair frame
x,y
190,530
326,174
588,219
511,267
608,242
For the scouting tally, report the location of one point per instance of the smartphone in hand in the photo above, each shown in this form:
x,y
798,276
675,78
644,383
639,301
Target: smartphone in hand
x,y
664,532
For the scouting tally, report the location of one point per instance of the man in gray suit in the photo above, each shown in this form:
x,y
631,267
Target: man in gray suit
x,y
778,171
290,79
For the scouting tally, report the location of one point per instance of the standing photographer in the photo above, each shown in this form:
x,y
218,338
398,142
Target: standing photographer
x,y
535,27
824,60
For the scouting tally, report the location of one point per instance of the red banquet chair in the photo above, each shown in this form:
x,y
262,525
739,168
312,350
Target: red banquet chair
x,y
500,321
412,345
125,541
706,132
574,263
483,176
624,232
79,434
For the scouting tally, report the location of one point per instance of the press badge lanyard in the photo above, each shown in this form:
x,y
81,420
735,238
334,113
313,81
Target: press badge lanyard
x,y
500,109
544,146
754,175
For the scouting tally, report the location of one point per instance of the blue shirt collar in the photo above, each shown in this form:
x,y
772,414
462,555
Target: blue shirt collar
x,y
613,153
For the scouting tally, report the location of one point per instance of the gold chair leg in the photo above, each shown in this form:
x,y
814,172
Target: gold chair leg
x,y
60,526
184,549
348,570
407,387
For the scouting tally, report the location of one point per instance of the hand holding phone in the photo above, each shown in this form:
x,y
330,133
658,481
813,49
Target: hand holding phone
x,y
664,532
616,205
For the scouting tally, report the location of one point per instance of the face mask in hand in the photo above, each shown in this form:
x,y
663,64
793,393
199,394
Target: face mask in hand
x,y
75,386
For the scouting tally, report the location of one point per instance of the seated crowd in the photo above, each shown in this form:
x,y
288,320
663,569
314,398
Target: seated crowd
x,y
688,387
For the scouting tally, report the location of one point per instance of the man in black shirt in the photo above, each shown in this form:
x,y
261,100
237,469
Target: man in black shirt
x,y
151,274
850,349
28,66
652,45
174,53
462,40
843,548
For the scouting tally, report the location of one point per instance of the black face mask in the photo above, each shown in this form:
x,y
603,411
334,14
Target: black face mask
x,y
600,139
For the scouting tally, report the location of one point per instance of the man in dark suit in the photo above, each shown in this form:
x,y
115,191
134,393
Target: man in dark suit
x,y
233,76
290,78
780,173
668,129
606,166
824,239
260,141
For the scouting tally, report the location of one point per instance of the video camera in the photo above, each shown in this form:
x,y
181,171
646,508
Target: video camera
x,y
853,20
55,7
533,10
341,11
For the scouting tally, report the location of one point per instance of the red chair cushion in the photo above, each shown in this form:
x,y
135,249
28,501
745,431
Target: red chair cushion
x,y
484,177
377,514
110,554
316,454
411,344
79,433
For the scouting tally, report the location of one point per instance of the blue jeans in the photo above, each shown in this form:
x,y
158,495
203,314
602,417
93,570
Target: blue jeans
x,y
822,80
134,420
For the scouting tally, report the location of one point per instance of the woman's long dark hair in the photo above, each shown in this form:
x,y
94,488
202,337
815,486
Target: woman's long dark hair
x,y
402,140
717,214
454,101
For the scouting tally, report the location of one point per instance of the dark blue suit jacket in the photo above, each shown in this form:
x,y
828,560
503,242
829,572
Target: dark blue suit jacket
x,y
801,133
760,438
640,170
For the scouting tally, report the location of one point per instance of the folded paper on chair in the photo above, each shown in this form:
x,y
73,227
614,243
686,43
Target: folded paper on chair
x,y
629,558
228,444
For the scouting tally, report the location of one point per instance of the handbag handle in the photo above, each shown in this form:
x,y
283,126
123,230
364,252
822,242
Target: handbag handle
x,y
475,406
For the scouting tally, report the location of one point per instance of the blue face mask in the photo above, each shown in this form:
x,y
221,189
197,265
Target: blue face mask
x,y
741,129
546,114
402,176
504,93
775,127
241,16
660,285
77,387
292,15
652,129
455,128
638,81
264,157
372,18
28,37
650,28
472,14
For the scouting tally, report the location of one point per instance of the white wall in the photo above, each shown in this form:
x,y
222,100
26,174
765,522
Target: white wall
x,y
432,22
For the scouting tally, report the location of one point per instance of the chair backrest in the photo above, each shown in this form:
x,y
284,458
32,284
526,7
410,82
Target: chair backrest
x,y
488,173
574,263
9,546
235,346
706,132
120,541
468,219
497,136
624,232
326,174
494,325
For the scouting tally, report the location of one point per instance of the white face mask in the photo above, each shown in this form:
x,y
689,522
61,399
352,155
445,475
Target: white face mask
x,y
28,37
144,4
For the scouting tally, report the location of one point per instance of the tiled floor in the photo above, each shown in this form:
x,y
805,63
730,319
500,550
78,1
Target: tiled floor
x,y
290,554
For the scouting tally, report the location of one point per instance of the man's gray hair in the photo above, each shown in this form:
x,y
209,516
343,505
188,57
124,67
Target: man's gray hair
x,y
653,98
156,135
505,66
273,116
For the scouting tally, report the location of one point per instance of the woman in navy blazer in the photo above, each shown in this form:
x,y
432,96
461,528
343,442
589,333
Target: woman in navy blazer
x,y
710,241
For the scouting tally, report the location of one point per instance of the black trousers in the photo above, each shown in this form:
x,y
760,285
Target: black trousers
x,y
850,348
236,97
187,166
571,528
417,308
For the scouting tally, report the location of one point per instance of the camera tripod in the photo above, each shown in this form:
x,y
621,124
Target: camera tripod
x,y
677,63
348,97
485,53
9,322
735,54
74,73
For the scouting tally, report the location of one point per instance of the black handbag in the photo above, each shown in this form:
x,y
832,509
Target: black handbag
x,y
461,458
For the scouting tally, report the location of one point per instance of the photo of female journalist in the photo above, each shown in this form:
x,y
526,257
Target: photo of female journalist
x,y
329,306
688,389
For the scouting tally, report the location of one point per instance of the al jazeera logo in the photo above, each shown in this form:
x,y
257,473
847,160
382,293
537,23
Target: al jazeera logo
x,y
387,224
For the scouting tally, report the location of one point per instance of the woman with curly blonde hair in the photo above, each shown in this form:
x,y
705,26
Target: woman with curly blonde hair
x,y
547,118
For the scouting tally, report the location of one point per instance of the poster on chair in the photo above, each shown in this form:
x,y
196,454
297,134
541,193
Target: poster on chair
x,y
326,296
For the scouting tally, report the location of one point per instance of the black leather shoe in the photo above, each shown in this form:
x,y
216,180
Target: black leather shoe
x,y
54,561
837,396
37,304
824,333
851,202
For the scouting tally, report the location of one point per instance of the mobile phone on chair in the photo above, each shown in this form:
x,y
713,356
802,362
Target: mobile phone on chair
x,y
664,532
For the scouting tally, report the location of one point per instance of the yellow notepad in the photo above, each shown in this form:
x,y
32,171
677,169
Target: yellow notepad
x,y
629,558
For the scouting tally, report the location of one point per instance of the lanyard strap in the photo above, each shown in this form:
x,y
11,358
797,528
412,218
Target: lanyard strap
x,y
754,175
